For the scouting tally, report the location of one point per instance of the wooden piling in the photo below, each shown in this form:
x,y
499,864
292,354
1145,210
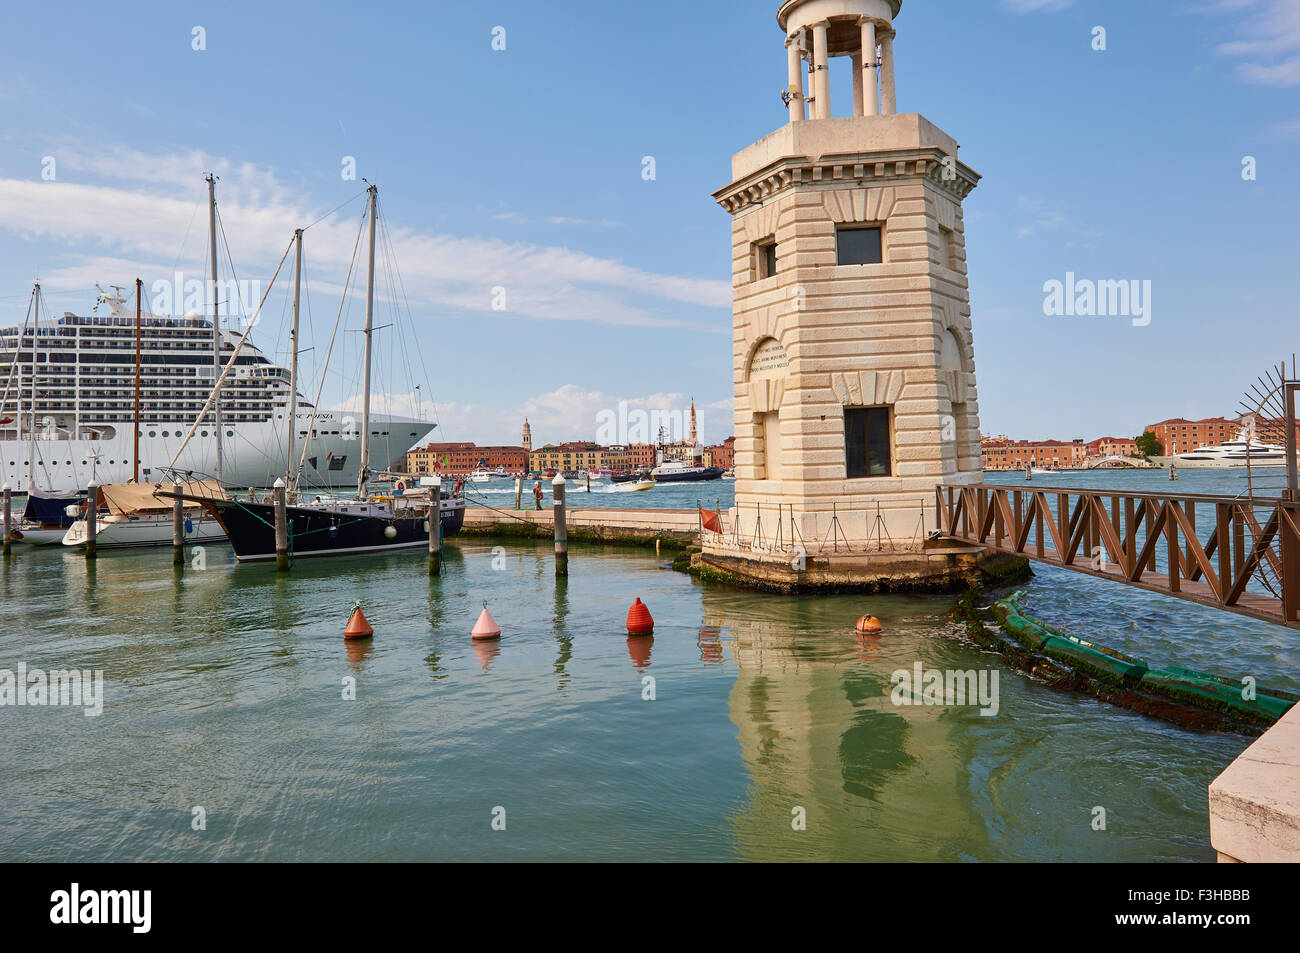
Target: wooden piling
x,y
281,526
92,519
178,526
561,527
435,527
519,491
8,518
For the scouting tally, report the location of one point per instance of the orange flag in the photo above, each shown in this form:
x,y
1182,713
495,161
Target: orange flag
x,y
711,520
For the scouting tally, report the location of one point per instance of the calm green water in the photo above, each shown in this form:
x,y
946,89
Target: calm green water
x,y
224,691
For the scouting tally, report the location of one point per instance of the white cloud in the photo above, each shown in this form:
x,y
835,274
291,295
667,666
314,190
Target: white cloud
x,y
1043,218
1269,41
1036,6
119,206
566,413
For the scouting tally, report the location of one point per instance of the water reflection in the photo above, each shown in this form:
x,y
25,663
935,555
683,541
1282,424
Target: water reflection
x,y
638,647
563,640
357,651
710,643
818,731
485,650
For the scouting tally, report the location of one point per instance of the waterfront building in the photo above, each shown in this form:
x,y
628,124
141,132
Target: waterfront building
x,y
579,455
640,455
1113,447
457,459
1006,454
1179,435
853,358
722,455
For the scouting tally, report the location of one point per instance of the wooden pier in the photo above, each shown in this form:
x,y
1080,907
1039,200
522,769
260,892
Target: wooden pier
x,y
643,525
1248,561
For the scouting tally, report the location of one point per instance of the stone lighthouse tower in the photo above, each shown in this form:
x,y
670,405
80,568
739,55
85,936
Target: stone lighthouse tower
x,y
854,373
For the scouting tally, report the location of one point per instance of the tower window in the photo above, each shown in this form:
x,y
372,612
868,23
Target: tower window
x,y
866,442
947,248
764,258
856,245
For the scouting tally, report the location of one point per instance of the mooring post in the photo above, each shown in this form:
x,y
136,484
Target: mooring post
x,y
561,527
92,518
435,526
9,518
178,525
281,526
588,482
519,491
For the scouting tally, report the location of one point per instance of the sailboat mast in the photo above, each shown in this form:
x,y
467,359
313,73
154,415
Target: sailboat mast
x,y
216,325
136,454
370,314
31,431
290,468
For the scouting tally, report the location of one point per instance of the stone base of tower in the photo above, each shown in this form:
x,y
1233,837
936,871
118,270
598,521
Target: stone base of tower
x,y
938,566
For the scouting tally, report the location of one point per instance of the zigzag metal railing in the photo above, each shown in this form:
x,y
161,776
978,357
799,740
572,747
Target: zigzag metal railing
x,y
1255,540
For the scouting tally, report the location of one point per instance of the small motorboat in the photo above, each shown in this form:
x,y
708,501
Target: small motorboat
x,y
631,486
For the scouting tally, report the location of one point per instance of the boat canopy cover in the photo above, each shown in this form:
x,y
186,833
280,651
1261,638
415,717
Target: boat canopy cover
x,y
49,510
139,497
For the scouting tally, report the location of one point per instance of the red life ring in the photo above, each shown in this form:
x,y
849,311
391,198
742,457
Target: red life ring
x,y
399,486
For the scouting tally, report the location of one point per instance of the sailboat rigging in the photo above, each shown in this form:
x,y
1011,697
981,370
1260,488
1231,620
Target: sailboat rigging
x,y
333,526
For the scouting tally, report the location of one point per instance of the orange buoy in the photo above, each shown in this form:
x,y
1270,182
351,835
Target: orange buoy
x,y
639,621
358,627
486,627
869,625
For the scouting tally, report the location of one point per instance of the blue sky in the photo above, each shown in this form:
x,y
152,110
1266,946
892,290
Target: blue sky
x,y
522,169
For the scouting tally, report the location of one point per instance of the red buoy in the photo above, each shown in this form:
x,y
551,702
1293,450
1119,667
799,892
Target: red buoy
x,y
358,627
639,621
869,625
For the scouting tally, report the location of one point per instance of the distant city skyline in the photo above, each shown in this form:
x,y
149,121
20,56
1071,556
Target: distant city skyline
x,y
550,209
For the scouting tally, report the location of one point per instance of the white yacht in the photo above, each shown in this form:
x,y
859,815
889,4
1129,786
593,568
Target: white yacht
x,y
68,397
1231,453
484,475
130,515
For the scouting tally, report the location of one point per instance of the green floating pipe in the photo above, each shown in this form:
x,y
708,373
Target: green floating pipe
x,y
1187,686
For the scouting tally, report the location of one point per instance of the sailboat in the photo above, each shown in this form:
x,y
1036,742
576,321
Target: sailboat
x,y
330,526
45,517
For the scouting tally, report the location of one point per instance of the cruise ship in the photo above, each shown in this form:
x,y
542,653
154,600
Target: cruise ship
x,y
66,408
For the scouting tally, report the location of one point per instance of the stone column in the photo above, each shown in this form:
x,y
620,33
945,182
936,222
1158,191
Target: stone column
x,y
889,102
857,83
821,72
794,85
867,69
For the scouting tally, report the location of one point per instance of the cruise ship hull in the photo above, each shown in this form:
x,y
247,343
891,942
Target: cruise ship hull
x,y
253,454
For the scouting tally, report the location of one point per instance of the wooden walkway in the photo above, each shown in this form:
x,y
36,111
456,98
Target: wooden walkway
x,y
1248,562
